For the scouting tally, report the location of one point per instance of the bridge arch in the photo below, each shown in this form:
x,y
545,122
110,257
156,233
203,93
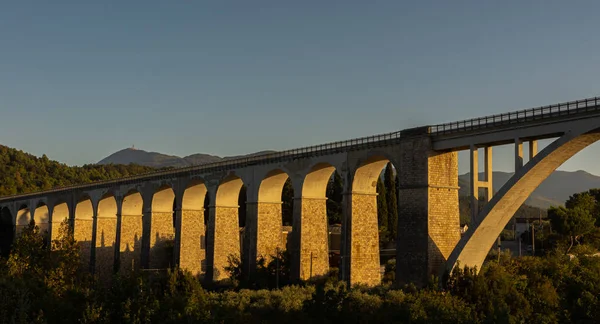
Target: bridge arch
x,y
7,231
192,227
263,228
310,235
58,215
362,226
23,218
106,235
476,243
41,218
224,226
131,228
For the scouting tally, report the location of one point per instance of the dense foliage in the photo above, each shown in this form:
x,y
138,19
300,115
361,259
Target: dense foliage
x,y
22,173
43,285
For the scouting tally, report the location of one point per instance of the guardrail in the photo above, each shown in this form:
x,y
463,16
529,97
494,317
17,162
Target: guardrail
x,y
315,150
544,112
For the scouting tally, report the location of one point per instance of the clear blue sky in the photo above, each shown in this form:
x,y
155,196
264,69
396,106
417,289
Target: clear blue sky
x,y
80,80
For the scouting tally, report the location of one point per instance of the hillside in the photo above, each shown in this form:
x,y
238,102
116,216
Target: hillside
x,y
22,172
553,191
158,160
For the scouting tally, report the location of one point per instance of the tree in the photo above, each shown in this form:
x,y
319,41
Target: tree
x,y
335,189
571,222
287,198
391,196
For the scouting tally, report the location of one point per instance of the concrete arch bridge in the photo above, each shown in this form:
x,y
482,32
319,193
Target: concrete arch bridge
x,y
131,223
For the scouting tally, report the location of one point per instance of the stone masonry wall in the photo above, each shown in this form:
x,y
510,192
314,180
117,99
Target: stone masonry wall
x,y
162,234
444,218
106,236
269,230
364,240
131,243
314,238
83,235
192,230
226,239
428,220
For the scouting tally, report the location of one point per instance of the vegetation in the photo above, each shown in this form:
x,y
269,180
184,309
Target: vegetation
x,y
22,173
39,284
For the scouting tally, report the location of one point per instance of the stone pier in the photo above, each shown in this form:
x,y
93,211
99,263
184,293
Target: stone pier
x,y
223,240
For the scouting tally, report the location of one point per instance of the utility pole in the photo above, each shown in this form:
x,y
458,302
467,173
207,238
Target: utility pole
x,y
533,238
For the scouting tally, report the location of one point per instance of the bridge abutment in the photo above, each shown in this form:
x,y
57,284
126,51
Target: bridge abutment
x,y
428,216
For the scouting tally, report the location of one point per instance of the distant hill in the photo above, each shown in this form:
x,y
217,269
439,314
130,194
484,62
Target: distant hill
x,y
554,191
159,160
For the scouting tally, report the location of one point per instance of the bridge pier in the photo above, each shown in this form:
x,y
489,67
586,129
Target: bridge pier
x,y
262,232
223,240
361,242
310,244
428,217
188,245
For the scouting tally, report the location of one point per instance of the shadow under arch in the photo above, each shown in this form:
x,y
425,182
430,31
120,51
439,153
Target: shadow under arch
x,y
476,243
7,231
191,228
106,236
131,230
361,228
162,228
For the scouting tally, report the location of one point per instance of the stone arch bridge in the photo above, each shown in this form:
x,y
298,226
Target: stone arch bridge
x,y
129,223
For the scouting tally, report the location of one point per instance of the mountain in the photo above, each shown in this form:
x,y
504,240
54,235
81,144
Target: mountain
x,y
554,191
159,160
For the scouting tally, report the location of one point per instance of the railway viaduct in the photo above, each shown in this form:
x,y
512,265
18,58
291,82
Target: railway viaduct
x,y
129,223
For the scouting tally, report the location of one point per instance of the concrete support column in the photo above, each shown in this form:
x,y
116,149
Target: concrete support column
x,y
533,149
223,240
476,183
162,235
310,244
361,246
189,231
428,217
518,154
130,243
262,233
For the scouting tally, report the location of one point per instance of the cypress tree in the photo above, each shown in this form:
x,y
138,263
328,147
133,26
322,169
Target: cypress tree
x,y
392,196
382,211
334,196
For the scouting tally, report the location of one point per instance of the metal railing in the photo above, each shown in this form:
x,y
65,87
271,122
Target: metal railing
x,y
545,112
308,151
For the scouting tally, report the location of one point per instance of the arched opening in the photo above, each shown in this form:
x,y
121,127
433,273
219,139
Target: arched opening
x,y
224,224
264,232
363,227
41,217
23,218
131,232
60,214
162,228
192,249
83,229
312,259
106,236
7,232
474,246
